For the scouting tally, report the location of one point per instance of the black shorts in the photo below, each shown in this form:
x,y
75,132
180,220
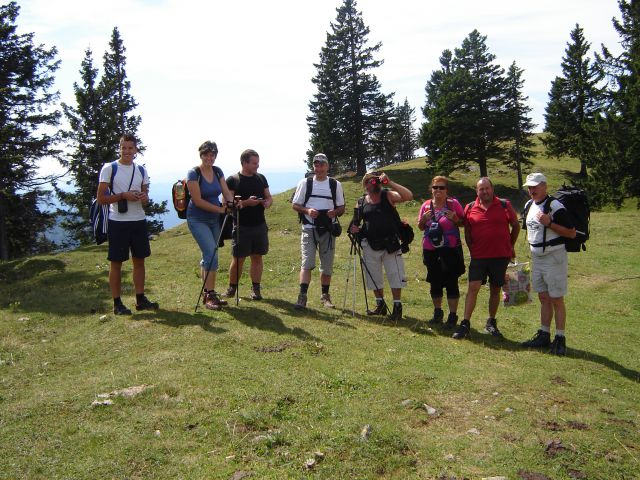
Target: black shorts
x,y
253,241
494,268
128,235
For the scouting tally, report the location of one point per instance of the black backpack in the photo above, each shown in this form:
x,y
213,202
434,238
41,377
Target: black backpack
x,y
576,203
333,185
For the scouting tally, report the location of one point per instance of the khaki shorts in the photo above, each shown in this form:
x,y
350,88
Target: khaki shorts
x,y
549,273
393,267
325,244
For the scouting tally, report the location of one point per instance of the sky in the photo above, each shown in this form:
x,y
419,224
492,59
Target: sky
x,y
239,73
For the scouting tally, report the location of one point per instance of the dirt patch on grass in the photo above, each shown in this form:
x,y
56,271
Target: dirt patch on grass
x,y
281,347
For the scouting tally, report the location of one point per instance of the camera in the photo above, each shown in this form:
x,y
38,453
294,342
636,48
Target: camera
x,y
123,206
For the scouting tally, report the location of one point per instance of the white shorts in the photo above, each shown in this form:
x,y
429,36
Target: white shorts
x,y
393,267
550,273
310,241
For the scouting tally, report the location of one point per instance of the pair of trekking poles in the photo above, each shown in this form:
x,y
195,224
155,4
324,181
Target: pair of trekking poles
x,y
234,214
356,251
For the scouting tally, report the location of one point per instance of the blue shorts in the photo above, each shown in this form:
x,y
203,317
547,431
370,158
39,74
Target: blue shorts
x,y
206,233
125,236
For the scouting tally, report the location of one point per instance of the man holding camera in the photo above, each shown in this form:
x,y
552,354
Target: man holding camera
x,y
126,191
379,238
251,191
319,201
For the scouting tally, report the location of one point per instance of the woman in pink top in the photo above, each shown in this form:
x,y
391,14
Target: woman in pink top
x,y
440,219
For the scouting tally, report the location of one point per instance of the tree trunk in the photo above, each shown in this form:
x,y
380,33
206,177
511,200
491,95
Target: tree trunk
x,y
4,238
583,169
483,167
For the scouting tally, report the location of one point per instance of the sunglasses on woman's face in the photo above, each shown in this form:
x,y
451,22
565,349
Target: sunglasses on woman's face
x,y
438,187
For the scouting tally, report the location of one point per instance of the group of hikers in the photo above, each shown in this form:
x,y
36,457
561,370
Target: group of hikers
x,y
491,228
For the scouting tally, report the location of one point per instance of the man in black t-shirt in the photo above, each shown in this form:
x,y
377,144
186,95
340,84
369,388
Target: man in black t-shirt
x,y
253,241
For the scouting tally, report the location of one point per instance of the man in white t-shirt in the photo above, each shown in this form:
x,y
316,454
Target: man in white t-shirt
x,y
127,223
319,210
548,223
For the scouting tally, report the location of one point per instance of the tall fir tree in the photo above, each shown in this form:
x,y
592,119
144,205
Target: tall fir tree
x,y
574,102
405,136
518,123
28,132
92,148
383,145
103,112
343,111
464,121
615,137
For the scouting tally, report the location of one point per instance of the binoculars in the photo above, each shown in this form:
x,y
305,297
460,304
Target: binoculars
x,y
378,181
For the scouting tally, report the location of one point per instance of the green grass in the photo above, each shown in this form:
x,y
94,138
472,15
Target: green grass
x,y
260,387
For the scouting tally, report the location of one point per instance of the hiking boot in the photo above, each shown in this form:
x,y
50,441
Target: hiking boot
x,y
231,292
381,309
325,300
212,301
255,293
302,302
120,309
539,340
396,314
220,300
452,321
463,330
492,327
558,346
438,316
145,304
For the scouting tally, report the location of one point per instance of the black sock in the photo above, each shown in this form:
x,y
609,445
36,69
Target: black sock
x,y
139,297
117,301
233,285
325,289
304,287
255,285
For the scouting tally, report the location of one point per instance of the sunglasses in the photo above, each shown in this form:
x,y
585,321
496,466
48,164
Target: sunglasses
x,y
438,187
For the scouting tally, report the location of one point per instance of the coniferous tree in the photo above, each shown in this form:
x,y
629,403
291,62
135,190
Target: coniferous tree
x,y
343,111
615,137
405,133
93,147
574,101
383,145
103,112
28,132
464,108
519,124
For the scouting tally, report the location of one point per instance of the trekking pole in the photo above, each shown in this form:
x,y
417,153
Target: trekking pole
x,y
215,251
237,197
353,308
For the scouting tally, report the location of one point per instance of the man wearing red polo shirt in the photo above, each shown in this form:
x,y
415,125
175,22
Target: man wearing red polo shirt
x,y
491,229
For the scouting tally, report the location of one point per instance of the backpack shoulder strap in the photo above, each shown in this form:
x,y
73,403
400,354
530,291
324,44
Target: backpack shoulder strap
x,y
333,186
216,171
525,212
114,169
307,193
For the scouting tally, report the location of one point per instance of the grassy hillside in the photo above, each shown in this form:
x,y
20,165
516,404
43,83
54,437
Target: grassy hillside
x,y
262,389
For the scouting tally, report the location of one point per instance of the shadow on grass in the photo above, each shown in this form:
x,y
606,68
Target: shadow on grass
x,y
50,289
31,267
181,319
326,315
501,343
256,317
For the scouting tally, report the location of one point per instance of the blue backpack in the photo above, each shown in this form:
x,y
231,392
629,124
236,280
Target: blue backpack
x,y
99,214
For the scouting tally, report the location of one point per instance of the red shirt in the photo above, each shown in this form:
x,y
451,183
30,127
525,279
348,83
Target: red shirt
x,y
490,233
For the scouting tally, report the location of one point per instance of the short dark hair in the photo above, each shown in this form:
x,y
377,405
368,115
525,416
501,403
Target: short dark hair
x,y
247,154
129,137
